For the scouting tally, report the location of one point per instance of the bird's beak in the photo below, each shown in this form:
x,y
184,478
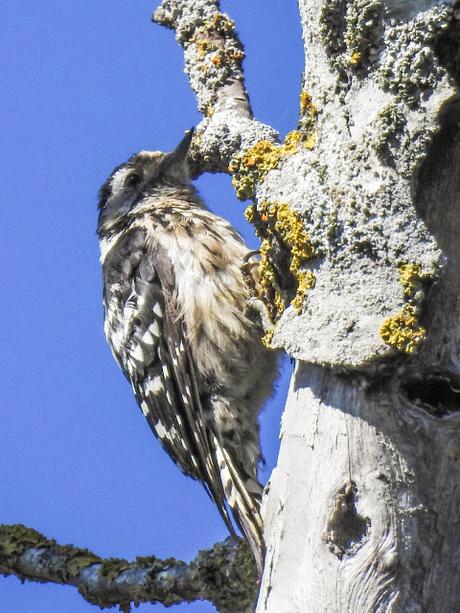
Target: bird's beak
x,y
179,155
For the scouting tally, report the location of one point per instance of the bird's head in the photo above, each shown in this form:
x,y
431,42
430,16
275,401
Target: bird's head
x,y
146,174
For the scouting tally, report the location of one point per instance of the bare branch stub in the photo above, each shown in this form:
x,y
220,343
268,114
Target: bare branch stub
x,y
225,575
213,57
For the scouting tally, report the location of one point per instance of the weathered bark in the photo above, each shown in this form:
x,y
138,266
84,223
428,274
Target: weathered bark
x,y
362,508
362,511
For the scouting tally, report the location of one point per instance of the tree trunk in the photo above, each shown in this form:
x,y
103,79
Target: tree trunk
x,y
362,509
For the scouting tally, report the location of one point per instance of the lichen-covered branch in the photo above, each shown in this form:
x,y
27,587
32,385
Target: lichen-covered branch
x,y
225,575
213,62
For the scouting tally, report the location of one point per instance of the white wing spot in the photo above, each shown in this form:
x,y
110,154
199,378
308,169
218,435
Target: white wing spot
x,y
138,354
160,430
145,408
226,478
165,371
148,338
157,309
155,329
154,386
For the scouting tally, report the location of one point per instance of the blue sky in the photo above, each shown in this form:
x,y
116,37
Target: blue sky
x,y
85,85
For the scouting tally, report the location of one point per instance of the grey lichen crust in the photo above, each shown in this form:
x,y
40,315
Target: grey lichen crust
x,y
379,77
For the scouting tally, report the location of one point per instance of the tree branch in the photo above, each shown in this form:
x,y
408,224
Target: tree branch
x,y
225,575
213,56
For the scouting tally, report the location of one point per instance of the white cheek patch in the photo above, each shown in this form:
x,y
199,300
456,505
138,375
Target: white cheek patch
x,y
120,201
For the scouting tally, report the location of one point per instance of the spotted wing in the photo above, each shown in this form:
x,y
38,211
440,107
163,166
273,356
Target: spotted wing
x,y
148,338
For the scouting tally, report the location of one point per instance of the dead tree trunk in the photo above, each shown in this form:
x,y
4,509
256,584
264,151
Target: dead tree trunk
x,y
362,509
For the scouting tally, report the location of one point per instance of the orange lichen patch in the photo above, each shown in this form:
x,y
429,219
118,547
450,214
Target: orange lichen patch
x,y
218,59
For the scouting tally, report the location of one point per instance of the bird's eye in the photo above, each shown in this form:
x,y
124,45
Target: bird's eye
x,y
133,179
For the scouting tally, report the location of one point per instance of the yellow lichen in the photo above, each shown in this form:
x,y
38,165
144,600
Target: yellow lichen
x,y
306,281
308,119
355,58
222,57
218,59
402,331
290,228
203,47
267,338
220,23
249,213
277,224
306,104
411,276
215,46
294,139
251,166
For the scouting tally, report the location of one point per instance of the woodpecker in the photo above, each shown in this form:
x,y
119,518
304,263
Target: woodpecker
x,y
176,319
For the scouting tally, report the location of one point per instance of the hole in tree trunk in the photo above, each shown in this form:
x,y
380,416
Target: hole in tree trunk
x,y
436,394
347,529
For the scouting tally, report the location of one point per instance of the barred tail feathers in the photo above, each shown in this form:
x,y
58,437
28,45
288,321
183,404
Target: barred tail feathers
x,y
243,505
